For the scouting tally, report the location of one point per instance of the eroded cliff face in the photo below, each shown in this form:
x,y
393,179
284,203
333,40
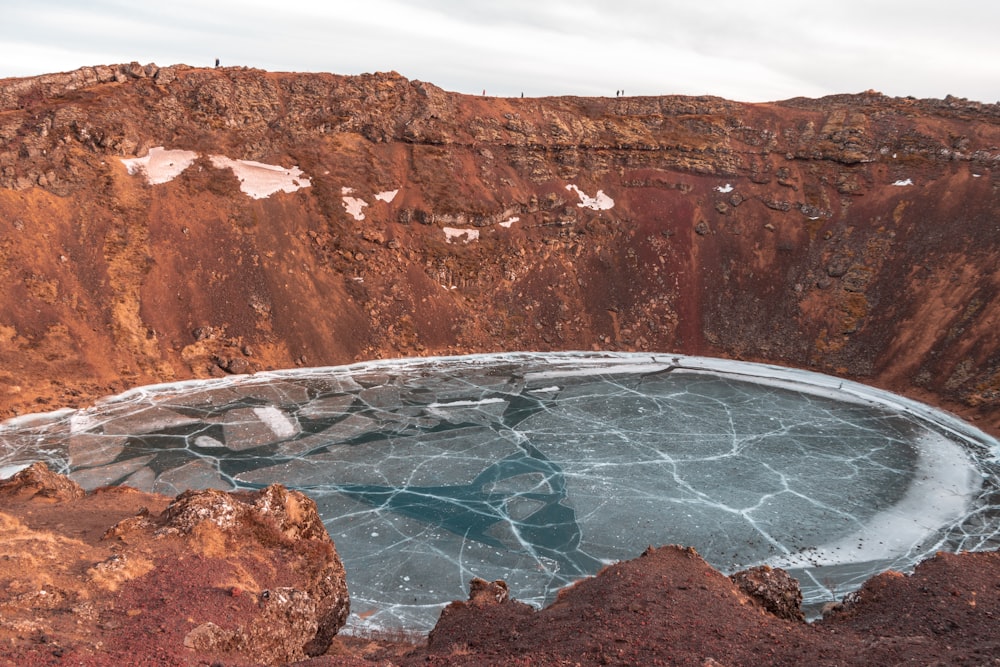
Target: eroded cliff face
x,y
856,235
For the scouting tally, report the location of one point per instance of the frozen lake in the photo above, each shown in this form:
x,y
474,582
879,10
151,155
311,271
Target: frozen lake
x,y
541,468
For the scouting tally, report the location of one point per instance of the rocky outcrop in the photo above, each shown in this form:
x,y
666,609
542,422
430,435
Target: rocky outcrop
x,y
38,482
775,589
26,92
669,607
106,577
487,600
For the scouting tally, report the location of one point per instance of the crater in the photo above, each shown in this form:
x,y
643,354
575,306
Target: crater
x,y
540,469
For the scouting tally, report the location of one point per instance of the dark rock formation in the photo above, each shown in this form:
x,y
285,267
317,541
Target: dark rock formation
x,y
776,590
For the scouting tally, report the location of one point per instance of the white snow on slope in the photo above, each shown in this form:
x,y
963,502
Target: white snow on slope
x,y
353,204
257,179
160,165
902,183
599,202
451,234
728,187
261,180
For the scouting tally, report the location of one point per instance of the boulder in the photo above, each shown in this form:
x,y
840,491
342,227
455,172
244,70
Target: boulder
x,y
776,590
206,577
37,481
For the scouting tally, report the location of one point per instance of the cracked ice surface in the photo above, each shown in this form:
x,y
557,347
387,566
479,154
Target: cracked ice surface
x,y
539,469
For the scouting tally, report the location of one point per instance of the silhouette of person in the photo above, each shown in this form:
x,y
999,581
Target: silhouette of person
x,y
216,62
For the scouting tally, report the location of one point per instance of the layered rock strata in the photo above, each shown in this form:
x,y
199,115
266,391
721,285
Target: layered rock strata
x,y
854,234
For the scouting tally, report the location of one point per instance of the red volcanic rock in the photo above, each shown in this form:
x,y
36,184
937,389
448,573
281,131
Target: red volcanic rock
x,y
669,607
666,607
948,610
122,577
489,604
37,481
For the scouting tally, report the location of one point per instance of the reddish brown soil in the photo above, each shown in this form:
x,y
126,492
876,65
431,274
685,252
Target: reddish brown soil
x,y
120,577
668,607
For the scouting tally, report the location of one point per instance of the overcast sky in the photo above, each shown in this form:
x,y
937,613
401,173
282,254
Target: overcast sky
x,y
749,50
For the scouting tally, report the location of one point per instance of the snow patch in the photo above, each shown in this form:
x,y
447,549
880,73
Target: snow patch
x,y
260,180
257,179
11,470
465,404
451,234
160,165
277,421
724,189
354,206
599,202
507,223
902,183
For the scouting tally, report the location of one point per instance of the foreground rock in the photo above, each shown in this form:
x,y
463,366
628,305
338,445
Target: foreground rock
x,y
669,607
123,577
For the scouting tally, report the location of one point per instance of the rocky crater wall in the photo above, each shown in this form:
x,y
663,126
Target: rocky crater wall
x,y
855,235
